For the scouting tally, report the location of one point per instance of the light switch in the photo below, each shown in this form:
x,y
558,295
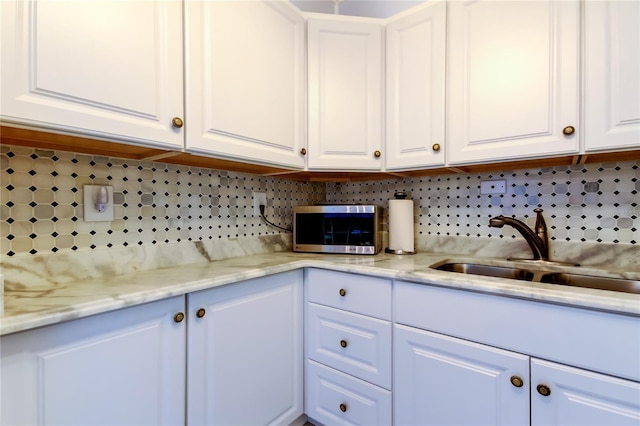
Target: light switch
x,y
98,203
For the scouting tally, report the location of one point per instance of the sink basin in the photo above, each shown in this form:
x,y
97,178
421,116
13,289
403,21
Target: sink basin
x,y
590,281
539,273
487,270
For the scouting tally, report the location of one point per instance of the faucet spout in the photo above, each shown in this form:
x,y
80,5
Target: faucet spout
x,y
538,240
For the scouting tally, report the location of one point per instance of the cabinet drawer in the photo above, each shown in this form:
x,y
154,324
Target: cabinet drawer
x,y
574,336
352,343
335,398
355,293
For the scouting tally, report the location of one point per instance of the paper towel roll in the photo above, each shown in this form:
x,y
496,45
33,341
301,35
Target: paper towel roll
x,y
401,225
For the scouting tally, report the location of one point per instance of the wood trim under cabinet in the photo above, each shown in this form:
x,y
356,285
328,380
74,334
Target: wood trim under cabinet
x,y
83,145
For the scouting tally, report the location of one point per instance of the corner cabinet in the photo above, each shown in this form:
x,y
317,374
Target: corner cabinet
x,y
245,352
245,81
345,64
611,70
415,88
119,368
106,69
512,82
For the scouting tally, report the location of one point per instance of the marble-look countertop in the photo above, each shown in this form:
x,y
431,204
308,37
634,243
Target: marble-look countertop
x,y
49,303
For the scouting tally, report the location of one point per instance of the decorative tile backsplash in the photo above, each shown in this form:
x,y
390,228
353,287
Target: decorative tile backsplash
x,y
592,202
41,203
41,200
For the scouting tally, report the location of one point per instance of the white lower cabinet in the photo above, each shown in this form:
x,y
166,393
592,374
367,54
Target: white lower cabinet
x,y
245,359
119,368
440,380
348,349
495,360
581,397
335,398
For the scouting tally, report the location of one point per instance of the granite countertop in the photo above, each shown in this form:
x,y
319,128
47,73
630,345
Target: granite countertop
x,y
44,304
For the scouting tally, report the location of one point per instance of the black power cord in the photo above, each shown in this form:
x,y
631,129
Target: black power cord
x,y
270,223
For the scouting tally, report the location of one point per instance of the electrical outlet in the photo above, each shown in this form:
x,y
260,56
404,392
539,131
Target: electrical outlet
x,y
259,198
98,203
493,186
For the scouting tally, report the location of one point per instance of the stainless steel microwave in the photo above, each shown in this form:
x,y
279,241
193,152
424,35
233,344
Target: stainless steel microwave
x,y
353,229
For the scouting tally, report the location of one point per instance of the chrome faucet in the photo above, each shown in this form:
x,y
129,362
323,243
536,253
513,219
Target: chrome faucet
x,y
538,239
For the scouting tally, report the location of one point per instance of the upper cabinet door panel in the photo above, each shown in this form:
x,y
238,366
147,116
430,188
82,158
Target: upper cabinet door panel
x,y
416,88
104,68
245,80
513,79
345,94
612,70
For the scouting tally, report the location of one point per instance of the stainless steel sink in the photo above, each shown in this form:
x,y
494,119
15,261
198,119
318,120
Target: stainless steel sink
x,y
487,270
590,281
538,273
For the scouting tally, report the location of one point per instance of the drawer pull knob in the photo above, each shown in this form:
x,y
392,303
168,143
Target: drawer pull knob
x,y
568,131
436,147
343,407
544,390
517,381
343,292
177,122
303,151
377,154
178,317
200,312
343,343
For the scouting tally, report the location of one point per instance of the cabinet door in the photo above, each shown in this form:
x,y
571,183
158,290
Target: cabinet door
x,y
245,80
512,83
245,355
612,67
345,87
119,368
104,68
442,380
580,397
415,88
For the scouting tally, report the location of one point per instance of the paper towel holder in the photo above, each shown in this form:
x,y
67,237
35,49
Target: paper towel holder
x,y
399,195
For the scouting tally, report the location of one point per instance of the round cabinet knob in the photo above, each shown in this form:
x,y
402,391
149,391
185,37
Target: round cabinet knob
x,y
343,407
436,147
568,131
303,151
544,390
343,343
200,312
517,381
177,122
343,292
178,317
377,154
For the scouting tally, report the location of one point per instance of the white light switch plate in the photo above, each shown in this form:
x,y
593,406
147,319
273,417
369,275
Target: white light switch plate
x,y
91,214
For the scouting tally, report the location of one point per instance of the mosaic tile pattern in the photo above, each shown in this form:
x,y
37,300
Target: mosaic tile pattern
x,y
593,202
41,207
41,202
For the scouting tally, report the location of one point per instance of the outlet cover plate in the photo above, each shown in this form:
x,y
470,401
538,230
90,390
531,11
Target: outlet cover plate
x,y
493,186
259,198
91,214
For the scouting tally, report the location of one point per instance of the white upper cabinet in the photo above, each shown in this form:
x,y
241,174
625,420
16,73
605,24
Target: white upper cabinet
x,y
512,83
245,81
106,69
345,93
416,88
612,75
